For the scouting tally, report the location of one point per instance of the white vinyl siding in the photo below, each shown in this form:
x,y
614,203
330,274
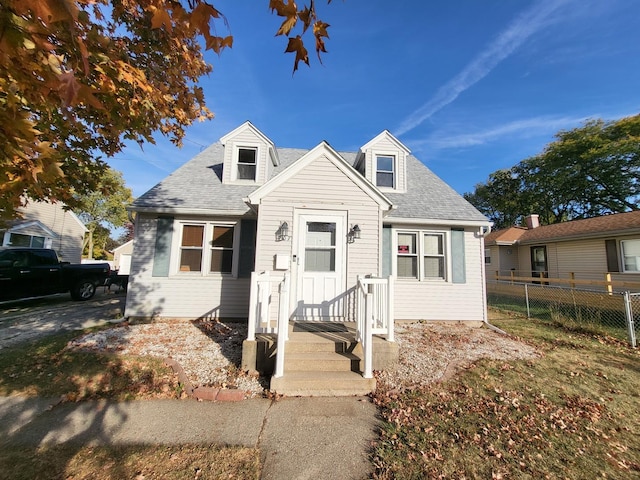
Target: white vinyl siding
x,y
385,147
179,296
245,140
444,300
320,187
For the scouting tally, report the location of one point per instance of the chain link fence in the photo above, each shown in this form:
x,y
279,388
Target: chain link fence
x,y
616,314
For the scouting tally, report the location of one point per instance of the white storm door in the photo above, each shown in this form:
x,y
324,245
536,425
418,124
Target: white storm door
x,y
321,267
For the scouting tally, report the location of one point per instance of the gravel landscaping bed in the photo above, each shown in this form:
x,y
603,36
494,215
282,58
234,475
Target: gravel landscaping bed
x,y
210,351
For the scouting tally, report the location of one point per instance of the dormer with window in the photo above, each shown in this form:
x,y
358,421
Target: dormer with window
x,y
383,162
249,156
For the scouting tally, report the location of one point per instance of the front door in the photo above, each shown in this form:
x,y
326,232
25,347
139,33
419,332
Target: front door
x,y
320,262
539,262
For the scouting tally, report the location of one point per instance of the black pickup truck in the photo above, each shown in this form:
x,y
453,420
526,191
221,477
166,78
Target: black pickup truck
x,y
32,272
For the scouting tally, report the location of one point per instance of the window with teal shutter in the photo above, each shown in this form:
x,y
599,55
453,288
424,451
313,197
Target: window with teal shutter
x,y
162,252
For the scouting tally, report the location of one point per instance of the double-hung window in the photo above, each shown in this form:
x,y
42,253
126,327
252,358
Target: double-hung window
x,y
421,255
222,249
217,258
630,255
385,171
433,255
247,163
407,255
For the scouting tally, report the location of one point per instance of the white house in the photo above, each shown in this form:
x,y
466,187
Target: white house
x,y
251,231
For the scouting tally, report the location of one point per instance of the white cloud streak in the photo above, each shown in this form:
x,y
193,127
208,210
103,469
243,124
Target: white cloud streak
x,y
529,127
523,27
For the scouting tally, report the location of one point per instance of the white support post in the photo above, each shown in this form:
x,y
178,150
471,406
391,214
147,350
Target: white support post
x,y
284,304
390,310
283,326
359,306
368,338
264,291
253,305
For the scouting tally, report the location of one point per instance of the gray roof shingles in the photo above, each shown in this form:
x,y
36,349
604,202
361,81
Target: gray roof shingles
x,y
197,186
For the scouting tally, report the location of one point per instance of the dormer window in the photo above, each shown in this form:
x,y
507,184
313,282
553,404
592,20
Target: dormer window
x,y
247,162
385,171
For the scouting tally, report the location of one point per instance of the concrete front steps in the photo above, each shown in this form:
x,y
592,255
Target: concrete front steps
x,y
322,363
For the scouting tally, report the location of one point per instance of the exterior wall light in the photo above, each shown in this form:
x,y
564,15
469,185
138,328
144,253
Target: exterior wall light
x,y
354,234
282,234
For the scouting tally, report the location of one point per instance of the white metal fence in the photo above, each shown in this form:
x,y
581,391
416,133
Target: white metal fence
x,y
611,313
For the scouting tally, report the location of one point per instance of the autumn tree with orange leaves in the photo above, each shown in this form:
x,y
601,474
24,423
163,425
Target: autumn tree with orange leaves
x,y
81,77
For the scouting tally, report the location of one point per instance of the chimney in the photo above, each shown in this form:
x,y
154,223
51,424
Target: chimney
x,y
532,221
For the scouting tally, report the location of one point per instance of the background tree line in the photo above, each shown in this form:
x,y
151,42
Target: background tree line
x,y
589,171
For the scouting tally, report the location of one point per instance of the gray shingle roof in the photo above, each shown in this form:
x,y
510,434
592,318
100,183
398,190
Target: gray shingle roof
x,y
197,186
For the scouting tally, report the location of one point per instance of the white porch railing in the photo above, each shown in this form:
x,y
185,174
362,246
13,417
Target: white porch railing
x,y
260,304
374,312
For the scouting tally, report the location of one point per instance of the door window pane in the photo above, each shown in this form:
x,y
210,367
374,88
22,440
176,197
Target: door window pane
x,y
320,260
320,251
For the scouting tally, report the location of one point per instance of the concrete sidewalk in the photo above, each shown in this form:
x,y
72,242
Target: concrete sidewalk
x,y
300,438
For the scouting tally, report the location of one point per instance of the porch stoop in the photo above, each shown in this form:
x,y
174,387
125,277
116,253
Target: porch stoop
x,y
321,359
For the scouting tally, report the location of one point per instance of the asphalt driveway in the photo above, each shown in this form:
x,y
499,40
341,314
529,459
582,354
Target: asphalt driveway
x,y
28,320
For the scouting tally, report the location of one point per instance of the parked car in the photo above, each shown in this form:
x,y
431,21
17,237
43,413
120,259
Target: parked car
x,y
32,272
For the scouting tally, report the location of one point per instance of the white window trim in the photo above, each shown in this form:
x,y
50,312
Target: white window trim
x,y
393,155
206,253
234,162
622,262
487,255
420,254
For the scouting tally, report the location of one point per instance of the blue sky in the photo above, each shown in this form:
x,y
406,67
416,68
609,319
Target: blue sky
x,y
470,86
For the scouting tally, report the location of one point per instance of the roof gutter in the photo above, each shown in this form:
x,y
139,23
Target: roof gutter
x,y
189,211
418,221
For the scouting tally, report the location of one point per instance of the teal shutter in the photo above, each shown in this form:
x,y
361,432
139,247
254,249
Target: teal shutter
x,y
246,261
162,253
387,254
457,256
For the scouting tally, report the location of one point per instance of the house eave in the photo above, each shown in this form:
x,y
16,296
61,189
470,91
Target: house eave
x,y
191,211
